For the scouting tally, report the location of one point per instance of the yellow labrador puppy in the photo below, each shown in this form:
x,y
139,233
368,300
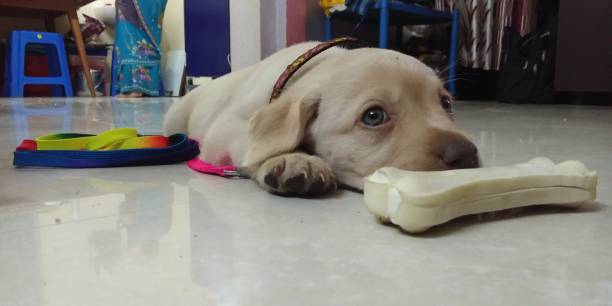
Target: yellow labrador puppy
x,y
341,116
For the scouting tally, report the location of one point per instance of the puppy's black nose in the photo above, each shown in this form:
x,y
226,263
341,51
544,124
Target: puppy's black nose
x,y
461,155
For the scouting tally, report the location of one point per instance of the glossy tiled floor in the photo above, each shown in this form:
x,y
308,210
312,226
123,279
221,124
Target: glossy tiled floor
x,y
165,235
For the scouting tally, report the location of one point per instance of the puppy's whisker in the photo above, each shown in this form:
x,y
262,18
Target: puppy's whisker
x,y
450,65
456,76
458,79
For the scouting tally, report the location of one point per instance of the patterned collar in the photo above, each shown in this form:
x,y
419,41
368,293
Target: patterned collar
x,y
305,57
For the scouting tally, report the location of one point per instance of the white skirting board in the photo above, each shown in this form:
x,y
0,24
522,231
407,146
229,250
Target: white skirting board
x,y
258,28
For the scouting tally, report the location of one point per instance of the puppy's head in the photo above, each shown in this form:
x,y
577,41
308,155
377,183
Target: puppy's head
x,y
362,110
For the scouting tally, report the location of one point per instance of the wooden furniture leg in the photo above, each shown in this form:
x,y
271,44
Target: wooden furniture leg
x,y
78,37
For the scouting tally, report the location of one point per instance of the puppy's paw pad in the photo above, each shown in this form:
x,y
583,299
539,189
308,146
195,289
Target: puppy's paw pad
x,y
318,185
296,183
322,183
271,178
297,174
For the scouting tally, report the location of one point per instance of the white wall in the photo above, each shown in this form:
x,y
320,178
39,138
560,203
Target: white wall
x,y
89,8
273,15
245,33
173,29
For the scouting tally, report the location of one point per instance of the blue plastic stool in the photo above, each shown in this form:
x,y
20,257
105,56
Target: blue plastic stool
x,y
14,63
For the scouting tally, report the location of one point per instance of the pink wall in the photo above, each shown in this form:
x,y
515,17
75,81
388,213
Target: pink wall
x,y
296,21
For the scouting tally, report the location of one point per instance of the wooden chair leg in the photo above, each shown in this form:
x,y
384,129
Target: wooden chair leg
x,y
78,37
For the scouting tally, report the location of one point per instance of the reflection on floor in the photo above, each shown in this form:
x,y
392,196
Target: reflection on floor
x,y
164,235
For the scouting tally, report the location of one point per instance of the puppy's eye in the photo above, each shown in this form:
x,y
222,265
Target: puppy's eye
x,y
446,103
374,116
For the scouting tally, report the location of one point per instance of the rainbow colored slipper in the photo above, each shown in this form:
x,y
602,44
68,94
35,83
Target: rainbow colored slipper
x,y
115,148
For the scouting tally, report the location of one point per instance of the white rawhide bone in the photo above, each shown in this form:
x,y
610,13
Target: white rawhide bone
x,y
416,201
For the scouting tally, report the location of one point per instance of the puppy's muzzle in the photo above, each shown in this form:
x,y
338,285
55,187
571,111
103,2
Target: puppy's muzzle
x,y
460,154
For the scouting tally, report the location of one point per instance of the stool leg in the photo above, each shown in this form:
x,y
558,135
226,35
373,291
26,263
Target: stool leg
x,y
18,71
328,28
76,30
114,65
384,24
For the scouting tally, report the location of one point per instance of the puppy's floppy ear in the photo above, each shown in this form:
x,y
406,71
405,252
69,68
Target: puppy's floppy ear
x,y
278,128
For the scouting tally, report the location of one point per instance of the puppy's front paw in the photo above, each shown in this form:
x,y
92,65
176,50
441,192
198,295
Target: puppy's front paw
x,y
296,174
